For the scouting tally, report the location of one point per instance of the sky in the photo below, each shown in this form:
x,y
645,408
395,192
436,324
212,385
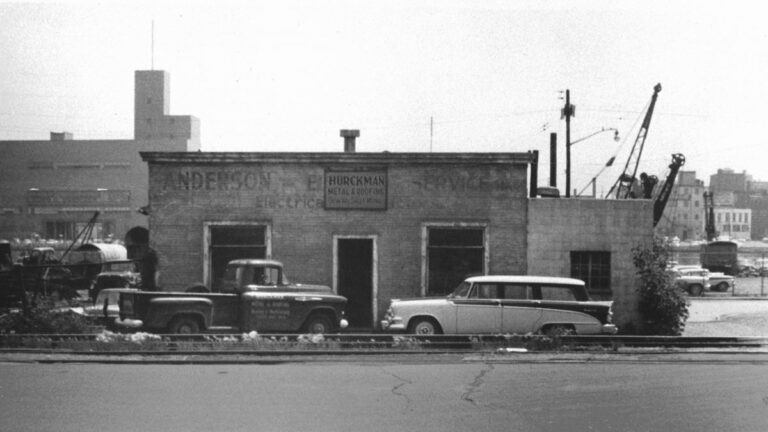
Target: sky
x,y
412,76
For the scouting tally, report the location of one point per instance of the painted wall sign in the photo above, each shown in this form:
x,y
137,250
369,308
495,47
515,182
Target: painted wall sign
x,y
363,189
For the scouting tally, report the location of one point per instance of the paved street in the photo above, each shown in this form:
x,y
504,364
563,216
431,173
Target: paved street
x,y
386,395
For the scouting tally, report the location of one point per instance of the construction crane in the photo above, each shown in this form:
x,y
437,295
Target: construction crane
x,y
623,185
678,160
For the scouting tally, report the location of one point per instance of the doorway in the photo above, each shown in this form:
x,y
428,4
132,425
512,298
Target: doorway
x,y
355,276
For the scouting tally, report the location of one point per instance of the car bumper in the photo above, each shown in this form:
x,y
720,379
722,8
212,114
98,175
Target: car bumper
x,y
609,329
392,326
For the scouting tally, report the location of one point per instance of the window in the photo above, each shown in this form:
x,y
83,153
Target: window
x,y
516,292
594,268
557,293
485,291
230,242
695,203
453,254
64,230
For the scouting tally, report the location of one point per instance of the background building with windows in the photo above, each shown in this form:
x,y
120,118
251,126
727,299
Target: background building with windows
x,y
377,226
52,188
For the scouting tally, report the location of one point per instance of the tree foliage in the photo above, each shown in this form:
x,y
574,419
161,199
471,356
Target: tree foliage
x,y
663,305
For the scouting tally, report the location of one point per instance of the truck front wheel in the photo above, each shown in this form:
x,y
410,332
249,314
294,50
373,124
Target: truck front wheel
x,y
184,325
318,324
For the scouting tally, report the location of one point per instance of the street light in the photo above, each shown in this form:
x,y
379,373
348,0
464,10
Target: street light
x,y
568,152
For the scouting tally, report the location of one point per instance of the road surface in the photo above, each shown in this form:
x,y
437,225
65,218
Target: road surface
x,y
388,394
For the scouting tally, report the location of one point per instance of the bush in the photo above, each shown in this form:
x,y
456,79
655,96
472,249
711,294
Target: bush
x,y
662,303
44,317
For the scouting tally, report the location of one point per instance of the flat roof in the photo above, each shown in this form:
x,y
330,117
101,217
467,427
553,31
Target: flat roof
x,y
523,158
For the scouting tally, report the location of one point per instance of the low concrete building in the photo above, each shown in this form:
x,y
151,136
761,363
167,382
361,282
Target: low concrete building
x,y
377,226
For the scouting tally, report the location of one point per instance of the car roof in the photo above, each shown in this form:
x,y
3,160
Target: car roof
x,y
525,279
255,262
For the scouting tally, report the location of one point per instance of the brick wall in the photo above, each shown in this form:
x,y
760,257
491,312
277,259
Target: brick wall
x,y
289,196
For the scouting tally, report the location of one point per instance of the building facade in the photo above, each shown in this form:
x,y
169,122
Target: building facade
x,y
377,226
733,223
51,189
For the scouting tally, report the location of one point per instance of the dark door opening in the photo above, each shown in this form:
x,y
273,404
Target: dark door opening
x,y
454,254
355,280
231,242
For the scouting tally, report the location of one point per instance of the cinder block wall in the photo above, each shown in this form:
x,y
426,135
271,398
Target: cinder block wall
x,y
558,226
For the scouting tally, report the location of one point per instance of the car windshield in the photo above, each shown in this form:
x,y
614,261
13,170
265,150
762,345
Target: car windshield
x,y
462,290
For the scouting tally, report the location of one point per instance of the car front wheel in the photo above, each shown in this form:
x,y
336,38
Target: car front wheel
x,y
424,326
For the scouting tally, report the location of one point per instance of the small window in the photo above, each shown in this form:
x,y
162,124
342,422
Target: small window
x,y
594,268
557,293
149,100
485,291
516,292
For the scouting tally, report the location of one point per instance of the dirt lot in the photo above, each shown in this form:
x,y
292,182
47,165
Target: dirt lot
x,y
727,316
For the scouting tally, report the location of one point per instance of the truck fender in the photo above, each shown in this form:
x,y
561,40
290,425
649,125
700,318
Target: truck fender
x,y
163,309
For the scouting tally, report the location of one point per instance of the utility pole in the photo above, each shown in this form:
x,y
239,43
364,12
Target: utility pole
x,y
567,112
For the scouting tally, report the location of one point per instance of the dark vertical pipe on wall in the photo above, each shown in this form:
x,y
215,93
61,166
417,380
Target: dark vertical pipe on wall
x,y
534,172
553,159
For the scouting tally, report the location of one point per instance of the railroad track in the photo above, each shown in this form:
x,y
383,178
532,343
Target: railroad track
x,y
358,343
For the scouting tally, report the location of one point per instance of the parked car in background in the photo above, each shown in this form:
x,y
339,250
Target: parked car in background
x,y
721,282
693,280
504,304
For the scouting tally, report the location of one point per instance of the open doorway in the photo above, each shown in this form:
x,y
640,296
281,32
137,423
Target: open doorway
x,y
355,278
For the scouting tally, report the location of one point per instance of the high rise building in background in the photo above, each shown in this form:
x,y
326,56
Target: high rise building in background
x,y
50,189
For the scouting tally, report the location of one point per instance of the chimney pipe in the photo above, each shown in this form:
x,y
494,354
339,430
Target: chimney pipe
x,y
534,188
349,136
553,159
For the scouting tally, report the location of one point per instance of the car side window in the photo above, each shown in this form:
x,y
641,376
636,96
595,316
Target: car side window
x,y
557,293
516,292
484,291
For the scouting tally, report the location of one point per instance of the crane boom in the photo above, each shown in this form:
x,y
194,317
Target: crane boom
x,y
624,183
678,160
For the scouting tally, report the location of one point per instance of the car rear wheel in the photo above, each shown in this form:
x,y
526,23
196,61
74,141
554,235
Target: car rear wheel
x,y
318,324
722,286
696,290
424,326
184,325
558,330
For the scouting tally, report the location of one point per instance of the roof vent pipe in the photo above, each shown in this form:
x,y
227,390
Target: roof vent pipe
x,y
349,136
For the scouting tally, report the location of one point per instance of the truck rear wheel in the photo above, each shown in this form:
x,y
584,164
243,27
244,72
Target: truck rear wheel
x,y
184,325
318,324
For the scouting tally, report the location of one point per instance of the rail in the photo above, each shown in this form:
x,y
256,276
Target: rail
x,y
375,343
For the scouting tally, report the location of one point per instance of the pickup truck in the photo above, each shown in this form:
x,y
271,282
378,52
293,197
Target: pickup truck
x,y
254,294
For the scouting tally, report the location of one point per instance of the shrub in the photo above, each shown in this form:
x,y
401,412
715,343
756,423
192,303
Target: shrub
x,y
662,304
44,317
